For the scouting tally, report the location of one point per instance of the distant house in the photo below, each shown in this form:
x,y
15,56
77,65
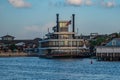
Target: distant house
x,y
7,37
111,51
8,40
114,35
114,43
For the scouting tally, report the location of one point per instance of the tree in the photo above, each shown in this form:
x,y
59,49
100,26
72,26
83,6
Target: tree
x,y
12,47
97,41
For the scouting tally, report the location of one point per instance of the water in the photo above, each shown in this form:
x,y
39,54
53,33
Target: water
x,y
31,68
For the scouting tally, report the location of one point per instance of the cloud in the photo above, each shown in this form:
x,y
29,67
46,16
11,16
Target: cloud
x,y
104,3
32,29
79,2
88,2
19,3
74,2
37,29
108,4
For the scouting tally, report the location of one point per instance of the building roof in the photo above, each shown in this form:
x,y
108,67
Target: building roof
x,y
7,36
114,42
20,44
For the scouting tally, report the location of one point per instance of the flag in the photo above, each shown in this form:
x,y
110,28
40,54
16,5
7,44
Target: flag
x,y
68,23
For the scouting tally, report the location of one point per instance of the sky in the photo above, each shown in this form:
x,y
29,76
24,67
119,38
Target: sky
x,y
29,19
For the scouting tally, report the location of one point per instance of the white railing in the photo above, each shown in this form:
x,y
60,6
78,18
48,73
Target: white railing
x,y
108,50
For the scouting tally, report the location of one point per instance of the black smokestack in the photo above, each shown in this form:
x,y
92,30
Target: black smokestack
x,y
73,24
57,21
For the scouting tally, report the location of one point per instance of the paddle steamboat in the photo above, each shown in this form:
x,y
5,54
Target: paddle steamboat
x,y
62,42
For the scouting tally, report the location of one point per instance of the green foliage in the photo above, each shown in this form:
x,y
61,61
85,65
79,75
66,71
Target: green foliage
x,y
100,40
13,47
97,41
92,43
119,35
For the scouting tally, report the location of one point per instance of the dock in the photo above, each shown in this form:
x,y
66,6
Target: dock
x,y
108,53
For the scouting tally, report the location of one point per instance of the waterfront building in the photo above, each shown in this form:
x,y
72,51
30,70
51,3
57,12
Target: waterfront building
x,y
28,44
7,37
63,42
111,51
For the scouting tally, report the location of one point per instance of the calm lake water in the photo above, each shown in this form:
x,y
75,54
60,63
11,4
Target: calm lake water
x,y
33,68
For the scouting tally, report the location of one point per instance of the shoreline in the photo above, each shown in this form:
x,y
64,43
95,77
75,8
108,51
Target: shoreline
x,y
18,54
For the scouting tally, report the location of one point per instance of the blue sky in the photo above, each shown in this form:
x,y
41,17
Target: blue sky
x,y
28,19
